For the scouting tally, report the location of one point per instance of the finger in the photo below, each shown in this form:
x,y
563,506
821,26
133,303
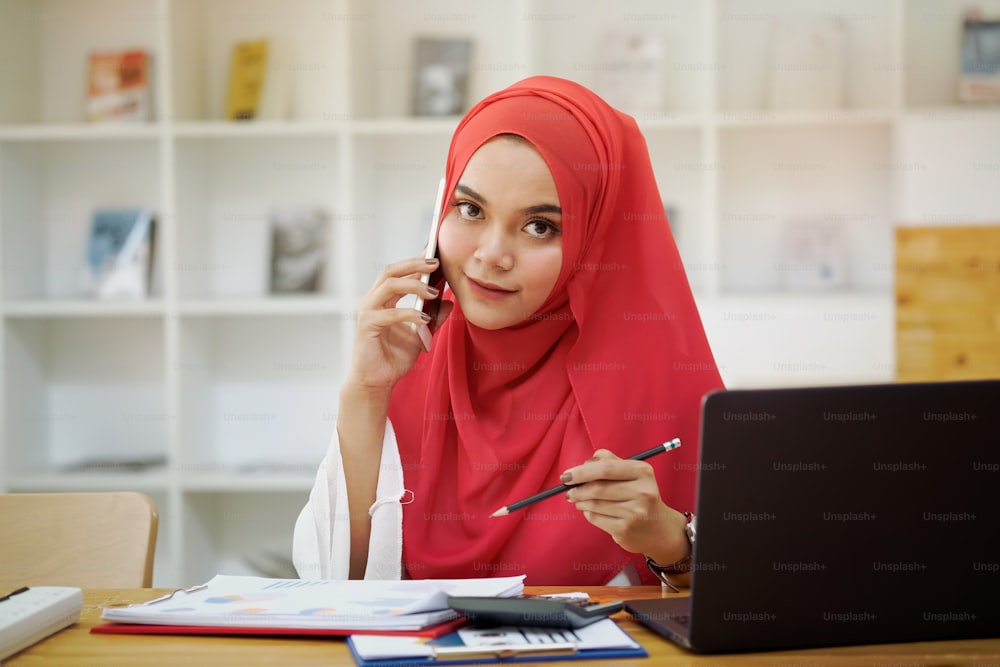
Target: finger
x,y
410,266
575,476
629,512
612,524
614,491
387,292
603,467
372,322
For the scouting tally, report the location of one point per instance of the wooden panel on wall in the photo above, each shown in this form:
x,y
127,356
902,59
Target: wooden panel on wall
x,y
947,303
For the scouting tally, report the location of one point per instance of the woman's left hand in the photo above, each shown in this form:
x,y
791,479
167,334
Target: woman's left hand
x,y
621,497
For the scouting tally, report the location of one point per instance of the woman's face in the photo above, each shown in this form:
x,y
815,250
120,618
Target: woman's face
x,y
501,239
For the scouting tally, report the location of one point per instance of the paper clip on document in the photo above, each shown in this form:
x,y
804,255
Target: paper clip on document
x,y
168,596
502,651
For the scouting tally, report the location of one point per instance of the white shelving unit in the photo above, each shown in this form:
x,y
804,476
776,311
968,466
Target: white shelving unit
x,y
235,391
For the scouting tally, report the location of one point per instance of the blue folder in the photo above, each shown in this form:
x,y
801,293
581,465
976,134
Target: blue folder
x,y
492,654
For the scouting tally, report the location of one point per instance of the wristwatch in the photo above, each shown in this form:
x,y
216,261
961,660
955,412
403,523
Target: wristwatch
x,y
683,566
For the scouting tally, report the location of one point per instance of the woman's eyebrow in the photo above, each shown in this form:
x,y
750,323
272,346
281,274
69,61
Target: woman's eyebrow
x,y
542,208
469,192
530,210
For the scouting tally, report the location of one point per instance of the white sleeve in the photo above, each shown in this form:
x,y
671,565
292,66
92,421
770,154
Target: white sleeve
x,y
321,547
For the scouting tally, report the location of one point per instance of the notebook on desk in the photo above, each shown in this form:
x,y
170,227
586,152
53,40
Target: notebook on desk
x,y
842,515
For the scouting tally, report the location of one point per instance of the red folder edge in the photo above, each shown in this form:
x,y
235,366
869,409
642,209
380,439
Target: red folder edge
x,y
144,629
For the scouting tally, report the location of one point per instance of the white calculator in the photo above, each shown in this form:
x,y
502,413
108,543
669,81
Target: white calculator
x,y
29,615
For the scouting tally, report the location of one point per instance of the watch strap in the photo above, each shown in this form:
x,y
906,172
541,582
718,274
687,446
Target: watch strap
x,y
683,566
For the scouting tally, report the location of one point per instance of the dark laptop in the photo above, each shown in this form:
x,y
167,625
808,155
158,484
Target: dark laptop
x,y
843,515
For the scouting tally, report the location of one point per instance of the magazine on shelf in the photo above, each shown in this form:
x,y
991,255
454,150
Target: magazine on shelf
x,y
979,80
441,77
119,254
807,66
299,247
631,72
813,254
247,78
118,86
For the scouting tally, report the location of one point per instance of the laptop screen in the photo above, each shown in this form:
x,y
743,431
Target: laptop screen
x,y
842,515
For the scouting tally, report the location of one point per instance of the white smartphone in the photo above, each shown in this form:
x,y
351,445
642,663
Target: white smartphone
x,y
436,278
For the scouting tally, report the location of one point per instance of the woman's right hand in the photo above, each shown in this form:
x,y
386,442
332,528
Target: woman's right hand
x,y
387,344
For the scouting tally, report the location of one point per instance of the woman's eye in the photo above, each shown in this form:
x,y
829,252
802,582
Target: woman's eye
x,y
541,229
469,211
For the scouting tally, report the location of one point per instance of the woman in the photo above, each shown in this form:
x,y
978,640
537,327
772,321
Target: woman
x,y
567,341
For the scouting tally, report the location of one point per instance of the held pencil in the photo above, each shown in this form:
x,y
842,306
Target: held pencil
x,y
548,493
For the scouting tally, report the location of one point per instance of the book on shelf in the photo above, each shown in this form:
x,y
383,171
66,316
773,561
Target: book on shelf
x,y
441,76
813,254
631,71
807,67
321,605
299,247
247,78
118,86
119,254
979,80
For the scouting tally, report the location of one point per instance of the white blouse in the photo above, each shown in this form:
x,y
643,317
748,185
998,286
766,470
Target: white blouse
x,y
321,548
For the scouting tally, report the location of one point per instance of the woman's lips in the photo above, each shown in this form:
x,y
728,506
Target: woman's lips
x,y
488,290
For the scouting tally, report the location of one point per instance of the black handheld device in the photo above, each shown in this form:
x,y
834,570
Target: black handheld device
x,y
530,611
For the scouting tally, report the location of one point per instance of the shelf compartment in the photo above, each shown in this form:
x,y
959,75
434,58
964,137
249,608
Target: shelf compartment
x,y
682,170
223,534
933,50
772,178
684,73
396,179
303,58
798,341
48,195
256,393
382,37
83,390
228,190
745,36
949,168
46,44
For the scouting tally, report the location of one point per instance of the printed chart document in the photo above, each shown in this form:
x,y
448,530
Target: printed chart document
x,y
234,601
603,639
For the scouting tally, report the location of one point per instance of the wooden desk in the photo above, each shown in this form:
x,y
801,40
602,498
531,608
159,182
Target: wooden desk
x,y
75,646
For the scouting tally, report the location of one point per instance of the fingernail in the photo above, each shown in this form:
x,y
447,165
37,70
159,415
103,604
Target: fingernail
x,y
434,291
425,317
432,261
566,477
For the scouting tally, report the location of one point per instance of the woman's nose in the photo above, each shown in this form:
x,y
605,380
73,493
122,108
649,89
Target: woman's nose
x,y
494,248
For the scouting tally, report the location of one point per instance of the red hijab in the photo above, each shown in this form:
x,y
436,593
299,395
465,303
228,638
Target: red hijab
x,y
616,358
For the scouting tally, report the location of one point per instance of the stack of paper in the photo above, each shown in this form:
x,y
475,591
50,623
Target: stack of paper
x,y
230,601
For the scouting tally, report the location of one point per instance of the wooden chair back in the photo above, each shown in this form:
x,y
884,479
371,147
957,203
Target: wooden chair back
x,y
87,540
